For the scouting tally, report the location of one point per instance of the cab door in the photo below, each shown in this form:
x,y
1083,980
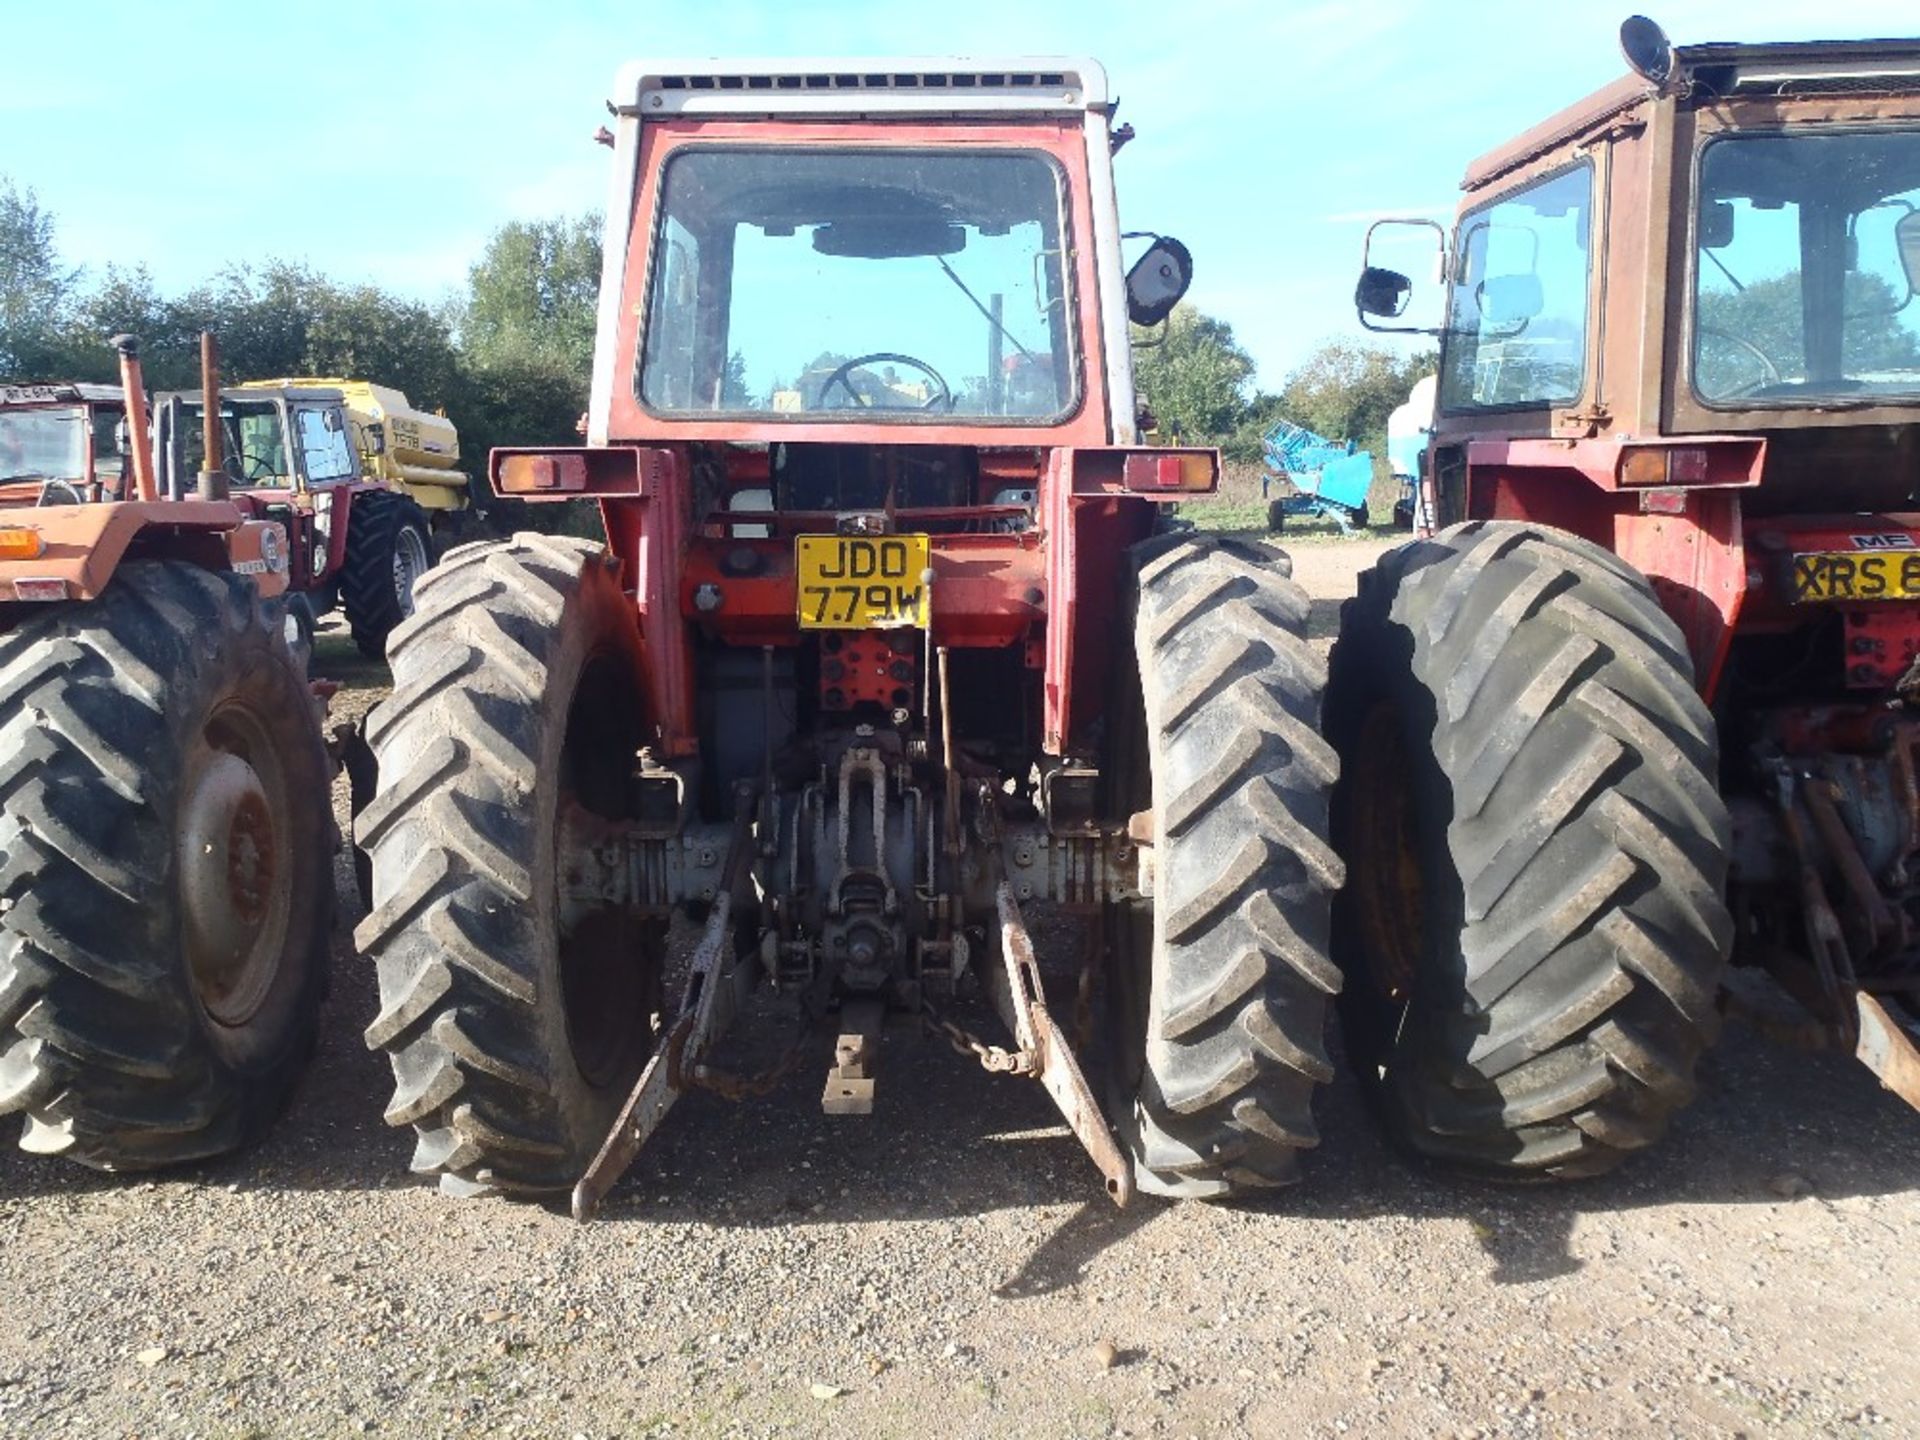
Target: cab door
x,y
326,463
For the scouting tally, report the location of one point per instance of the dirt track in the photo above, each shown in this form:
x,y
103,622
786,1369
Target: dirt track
x,y
950,1267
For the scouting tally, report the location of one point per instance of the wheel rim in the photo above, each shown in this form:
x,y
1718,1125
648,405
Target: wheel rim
x,y
409,564
290,627
235,871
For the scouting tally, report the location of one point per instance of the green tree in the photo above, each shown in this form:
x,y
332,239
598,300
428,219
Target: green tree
x,y
535,292
1195,378
35,289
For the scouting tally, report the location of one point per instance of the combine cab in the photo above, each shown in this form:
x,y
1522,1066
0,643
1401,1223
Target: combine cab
x,y
889,641
1647,700
165,836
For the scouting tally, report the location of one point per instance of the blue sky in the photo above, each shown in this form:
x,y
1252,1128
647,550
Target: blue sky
x,y
384,142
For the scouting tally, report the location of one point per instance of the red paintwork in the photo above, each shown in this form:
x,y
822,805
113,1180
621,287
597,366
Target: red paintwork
x,y
1062,140
1732,460
1882,645
1055,588
874,666
1696,561
987,590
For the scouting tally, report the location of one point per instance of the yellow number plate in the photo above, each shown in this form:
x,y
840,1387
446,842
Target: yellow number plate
x,y
858,582
1844,575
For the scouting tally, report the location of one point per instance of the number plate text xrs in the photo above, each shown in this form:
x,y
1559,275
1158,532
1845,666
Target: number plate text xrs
x,y
1840,575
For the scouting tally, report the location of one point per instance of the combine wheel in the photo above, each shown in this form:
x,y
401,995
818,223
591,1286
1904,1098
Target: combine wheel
x,y
1222,980
165,870
516,1026
1534,931
387,554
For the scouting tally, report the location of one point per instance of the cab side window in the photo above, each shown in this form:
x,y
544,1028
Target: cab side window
x,y
1517,312
324,450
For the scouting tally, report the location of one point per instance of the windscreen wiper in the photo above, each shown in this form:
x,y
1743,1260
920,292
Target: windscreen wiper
x,y
1720,265
992,319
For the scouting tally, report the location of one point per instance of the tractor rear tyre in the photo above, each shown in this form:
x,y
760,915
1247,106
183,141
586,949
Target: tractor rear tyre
x,y
1222,979
517,1017
1534,929
387,554
166,864
1276,516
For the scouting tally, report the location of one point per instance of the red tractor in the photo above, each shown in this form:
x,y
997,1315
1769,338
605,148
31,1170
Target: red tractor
x,y
61,441
1646,700
890,638
166,840
292,453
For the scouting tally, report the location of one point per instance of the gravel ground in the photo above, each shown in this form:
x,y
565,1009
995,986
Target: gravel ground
x,y
950,1266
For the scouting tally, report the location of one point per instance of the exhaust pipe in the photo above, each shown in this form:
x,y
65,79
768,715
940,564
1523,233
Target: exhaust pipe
x,y
134,388
213,474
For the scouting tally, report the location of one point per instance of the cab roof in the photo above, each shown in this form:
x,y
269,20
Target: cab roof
x,y
59,393
1713,71
833,88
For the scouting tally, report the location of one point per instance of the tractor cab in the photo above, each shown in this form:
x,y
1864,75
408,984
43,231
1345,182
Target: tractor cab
x,y
61,443
292,453
283,456
847,306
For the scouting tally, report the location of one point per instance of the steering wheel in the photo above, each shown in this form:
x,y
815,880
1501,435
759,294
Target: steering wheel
x,y
943,397
241,467
1769,372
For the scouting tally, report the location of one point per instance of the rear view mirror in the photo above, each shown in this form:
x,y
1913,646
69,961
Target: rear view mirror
x,y
890,239
1509,300
1906,235
1158,280
1383,293
1716,225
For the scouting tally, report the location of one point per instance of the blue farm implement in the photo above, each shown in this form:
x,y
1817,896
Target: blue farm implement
x,y
1329,478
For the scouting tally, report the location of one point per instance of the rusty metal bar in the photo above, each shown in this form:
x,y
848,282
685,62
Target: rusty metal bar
x,y
1021,999
1887,1048
213,475
706,1009
134,387
952,773
1845,854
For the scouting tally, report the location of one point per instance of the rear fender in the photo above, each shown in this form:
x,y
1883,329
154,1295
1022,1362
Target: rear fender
x,y
644,507
82,546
